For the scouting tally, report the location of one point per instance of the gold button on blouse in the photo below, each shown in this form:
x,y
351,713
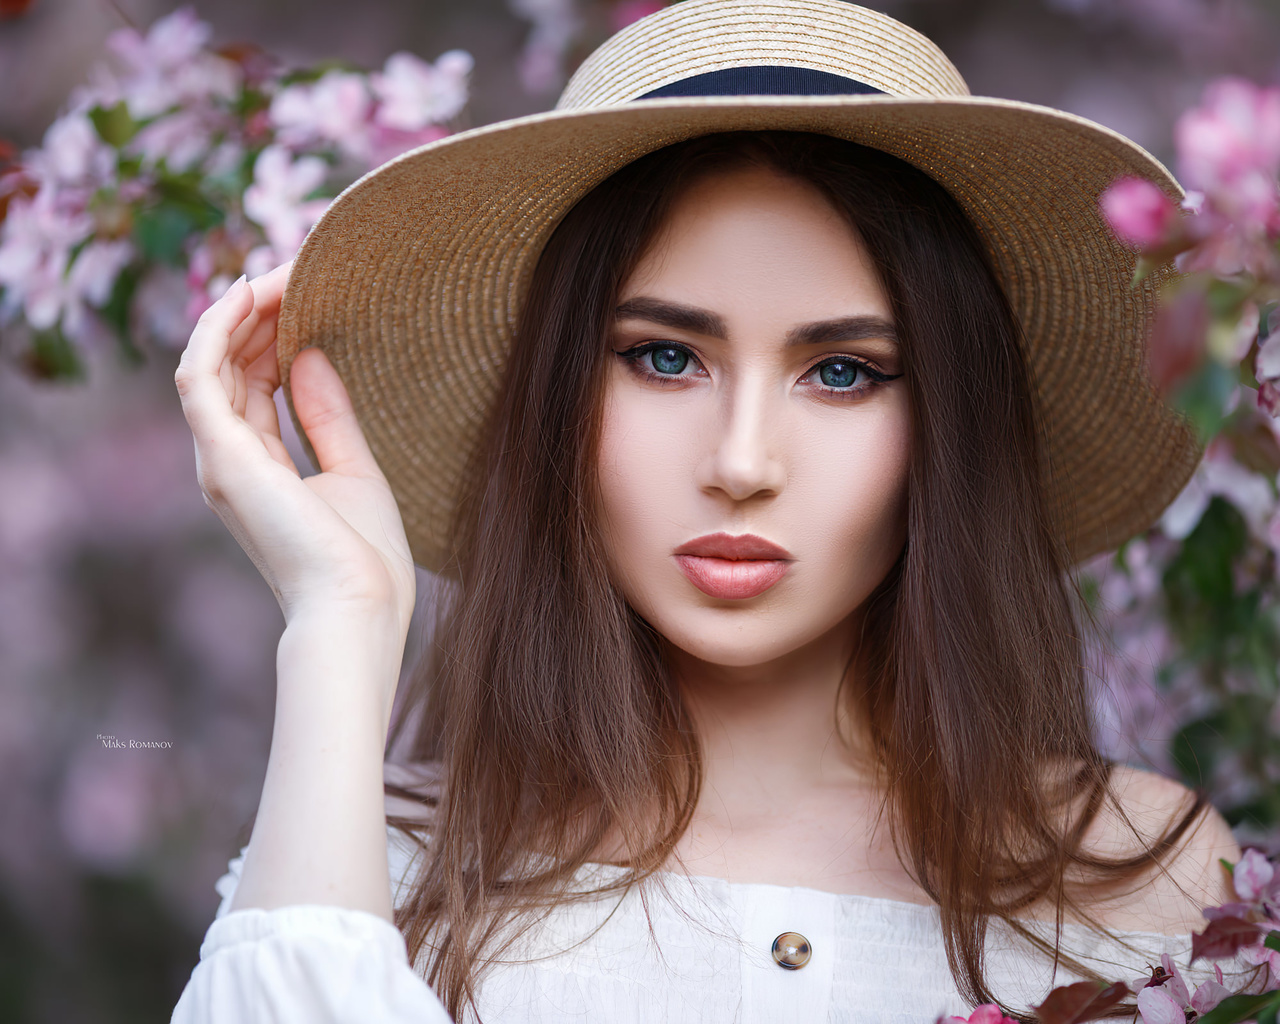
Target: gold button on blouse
x,y
791,950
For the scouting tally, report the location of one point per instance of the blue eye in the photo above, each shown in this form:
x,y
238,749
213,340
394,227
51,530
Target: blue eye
x,y
847,377
669,360
839,375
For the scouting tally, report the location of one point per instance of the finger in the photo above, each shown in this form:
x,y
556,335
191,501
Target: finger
x,y
324,409
260,409
206,397
211,337
259,328
255,336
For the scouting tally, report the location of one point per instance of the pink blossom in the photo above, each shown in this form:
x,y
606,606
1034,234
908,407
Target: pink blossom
x,y
1139,212
1225,248
1229,153
1219,474
333,110
96,268
206,295
555,26
1209,995
1229,146
180,140
171,41
169,67
72,154
1167,1003
1156,1006
987,1013
413,94
1269,398
262,259
214,264
1175,986
36,239
224,158
1259,955
630,11
277,198
1253,876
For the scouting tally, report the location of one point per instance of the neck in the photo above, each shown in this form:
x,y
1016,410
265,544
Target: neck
x,y
774,732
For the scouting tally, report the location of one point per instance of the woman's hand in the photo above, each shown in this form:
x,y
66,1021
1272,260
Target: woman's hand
x,y
333,540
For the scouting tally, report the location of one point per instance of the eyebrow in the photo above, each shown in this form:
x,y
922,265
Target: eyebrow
x,y
703,321
672,314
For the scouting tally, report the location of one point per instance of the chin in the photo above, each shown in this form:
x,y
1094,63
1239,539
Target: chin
x,y
738,637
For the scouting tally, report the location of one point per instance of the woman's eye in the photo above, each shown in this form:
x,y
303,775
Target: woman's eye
x,y
669,360
839,374
848,377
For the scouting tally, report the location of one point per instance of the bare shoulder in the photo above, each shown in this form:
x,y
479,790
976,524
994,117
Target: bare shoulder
x,y
411,790
1169,898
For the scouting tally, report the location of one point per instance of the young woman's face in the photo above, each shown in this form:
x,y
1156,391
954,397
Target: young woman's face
x,y
754,446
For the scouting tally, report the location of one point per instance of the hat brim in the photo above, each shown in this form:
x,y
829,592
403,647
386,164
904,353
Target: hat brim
x,y
412,279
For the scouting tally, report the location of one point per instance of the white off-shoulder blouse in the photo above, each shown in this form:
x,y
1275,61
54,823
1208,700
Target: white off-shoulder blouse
x,y
708,960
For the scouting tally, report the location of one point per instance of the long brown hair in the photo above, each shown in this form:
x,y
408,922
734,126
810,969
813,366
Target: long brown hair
x,y
546,699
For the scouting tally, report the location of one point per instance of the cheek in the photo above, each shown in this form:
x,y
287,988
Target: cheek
x,y
644,474
848,487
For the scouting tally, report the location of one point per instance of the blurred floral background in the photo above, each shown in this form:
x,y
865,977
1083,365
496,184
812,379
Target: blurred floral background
x,y
149,154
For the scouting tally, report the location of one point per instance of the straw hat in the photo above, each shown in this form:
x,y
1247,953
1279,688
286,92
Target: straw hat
x,y
412,279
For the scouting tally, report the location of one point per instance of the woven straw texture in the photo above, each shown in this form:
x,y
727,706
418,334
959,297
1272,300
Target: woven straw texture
x,y
412,279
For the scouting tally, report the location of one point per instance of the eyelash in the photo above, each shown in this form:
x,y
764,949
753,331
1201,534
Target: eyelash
x,y
876,378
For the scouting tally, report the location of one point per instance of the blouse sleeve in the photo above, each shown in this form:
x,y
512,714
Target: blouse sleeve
x,y
306,964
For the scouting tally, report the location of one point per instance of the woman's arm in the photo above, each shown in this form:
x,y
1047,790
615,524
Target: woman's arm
x,y
320,832
309,934
333,550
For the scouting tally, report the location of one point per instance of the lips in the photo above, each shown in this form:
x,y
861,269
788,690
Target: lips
x,y
732,567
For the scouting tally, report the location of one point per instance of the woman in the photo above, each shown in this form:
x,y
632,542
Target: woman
x,y
757,691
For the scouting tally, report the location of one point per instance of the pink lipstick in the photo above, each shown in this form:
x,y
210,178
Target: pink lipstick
x,y
732,568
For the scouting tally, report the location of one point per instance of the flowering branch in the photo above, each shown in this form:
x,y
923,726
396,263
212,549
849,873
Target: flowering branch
x,y
179,167
1191,606
1248,928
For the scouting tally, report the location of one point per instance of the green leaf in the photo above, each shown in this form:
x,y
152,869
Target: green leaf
x,y
1199,583
1237,1008
1226,298
181,211
116,315
1195,749
113,124
161,232
185,190
1272,941
53,357
1203,397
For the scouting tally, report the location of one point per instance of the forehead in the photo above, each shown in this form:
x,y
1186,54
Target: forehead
x,y
753,243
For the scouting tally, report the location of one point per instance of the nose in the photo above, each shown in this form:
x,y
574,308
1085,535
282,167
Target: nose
x,y
741,461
